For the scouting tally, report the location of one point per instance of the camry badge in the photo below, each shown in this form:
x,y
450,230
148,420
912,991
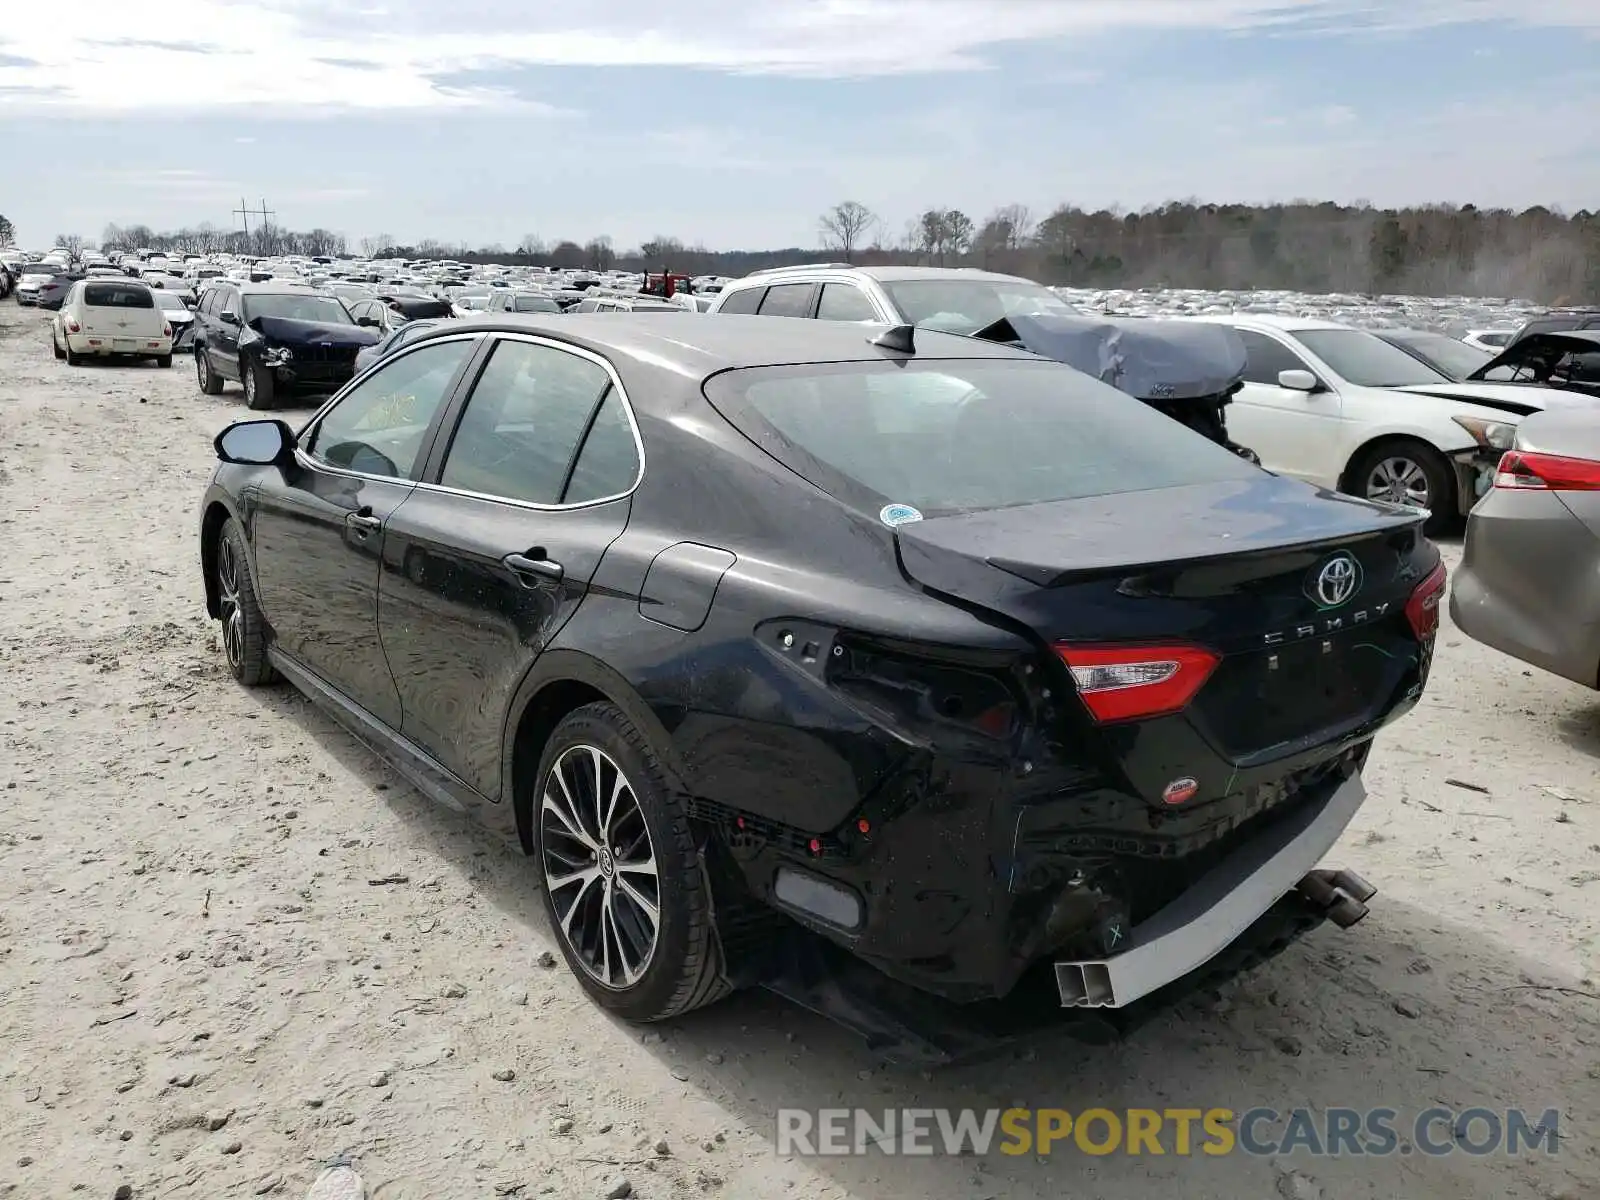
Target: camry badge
x,y
1338,579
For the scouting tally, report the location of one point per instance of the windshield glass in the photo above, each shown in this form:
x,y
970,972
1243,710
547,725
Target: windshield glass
x,y
968,305
326,309
536,304
1455,359
967,435
1365,359
170,301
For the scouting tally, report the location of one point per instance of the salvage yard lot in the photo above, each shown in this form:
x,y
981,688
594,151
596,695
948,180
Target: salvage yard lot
x,y
217,909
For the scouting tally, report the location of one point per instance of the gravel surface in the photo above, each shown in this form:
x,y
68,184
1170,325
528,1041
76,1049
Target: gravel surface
x,y
202,993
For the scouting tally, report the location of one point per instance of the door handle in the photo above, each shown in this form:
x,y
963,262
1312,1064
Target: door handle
x,y
544,568
363,520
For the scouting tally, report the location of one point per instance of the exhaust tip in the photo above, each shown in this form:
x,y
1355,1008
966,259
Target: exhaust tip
x,y
1085,985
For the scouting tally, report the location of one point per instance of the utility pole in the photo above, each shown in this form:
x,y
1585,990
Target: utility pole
x,y
244,212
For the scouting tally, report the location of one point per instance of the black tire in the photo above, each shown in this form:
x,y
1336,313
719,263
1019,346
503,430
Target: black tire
x,y
163,360
55,345
683,970
257,385
244,629
1405,461
210,382
74,359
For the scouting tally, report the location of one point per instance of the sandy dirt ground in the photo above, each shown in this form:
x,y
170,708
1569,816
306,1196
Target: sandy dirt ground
x,y
203,992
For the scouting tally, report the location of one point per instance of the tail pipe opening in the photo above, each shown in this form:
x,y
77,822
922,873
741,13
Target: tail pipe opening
x,y
1341,894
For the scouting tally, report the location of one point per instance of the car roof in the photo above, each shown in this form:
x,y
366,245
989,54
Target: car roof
x,y
695,344
277,287
1269,321
889,274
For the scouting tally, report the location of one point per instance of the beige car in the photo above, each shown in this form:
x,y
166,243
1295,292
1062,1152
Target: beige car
x,y
1529,582
111,318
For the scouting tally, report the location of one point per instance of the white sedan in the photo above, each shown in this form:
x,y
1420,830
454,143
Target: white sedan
x,y
1343,409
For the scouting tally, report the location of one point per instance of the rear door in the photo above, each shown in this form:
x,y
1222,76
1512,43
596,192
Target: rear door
x,y
493,552
1296,433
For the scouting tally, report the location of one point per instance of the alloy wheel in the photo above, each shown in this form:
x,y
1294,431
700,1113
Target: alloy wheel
x,y
249,389
600,866
228,602
201,369
1399,480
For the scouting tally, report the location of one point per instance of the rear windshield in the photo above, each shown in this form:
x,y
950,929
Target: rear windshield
x,y
117,295
966,435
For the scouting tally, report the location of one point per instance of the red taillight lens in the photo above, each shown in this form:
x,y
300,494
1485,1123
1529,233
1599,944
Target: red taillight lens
x,y
1422,609
1546,472
1131,683
73,326
166,329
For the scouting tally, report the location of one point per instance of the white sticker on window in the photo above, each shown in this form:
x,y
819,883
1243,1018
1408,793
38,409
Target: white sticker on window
x,y
898,514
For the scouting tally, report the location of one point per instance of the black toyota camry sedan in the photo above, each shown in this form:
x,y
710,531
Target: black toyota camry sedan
x,y
945,657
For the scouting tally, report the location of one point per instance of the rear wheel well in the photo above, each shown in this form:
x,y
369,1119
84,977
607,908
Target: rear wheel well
x,y
210,533
539,720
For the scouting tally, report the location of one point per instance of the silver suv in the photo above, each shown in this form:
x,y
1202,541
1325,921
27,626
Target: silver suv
x,y
954,299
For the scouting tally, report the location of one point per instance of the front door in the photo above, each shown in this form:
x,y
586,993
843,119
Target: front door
x,y
222,337
1296,433
319,526
484,566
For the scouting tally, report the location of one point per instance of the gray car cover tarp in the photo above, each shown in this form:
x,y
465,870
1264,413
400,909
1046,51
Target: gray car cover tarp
x,y
1149,358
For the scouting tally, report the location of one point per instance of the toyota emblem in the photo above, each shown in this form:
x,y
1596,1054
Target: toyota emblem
x,y
1336,580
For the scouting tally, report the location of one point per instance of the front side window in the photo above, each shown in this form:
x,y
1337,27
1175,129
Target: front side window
x,y
522,424
377,427
845,302
1265,357
964,435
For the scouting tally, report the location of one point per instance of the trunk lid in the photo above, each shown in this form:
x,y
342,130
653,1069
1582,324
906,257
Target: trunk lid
x,y
1234,568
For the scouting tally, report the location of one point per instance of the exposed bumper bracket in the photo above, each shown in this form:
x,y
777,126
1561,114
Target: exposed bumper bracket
x,y
1222,904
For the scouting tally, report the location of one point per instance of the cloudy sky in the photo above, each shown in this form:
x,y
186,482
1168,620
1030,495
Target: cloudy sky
x,y
735,122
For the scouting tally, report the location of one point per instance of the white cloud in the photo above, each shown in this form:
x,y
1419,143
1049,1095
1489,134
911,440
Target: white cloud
x,y
401,55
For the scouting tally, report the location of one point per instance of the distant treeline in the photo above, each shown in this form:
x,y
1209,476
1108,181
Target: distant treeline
x,y
1440,249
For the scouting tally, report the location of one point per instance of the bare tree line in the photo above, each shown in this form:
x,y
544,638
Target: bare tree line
x,y
1441,249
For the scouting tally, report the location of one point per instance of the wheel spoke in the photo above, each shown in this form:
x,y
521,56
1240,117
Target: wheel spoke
x,y
568,819
611,806
645,905
572,911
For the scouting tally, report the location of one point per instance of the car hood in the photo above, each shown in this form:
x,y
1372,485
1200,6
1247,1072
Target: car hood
x,y
1519,399
286,331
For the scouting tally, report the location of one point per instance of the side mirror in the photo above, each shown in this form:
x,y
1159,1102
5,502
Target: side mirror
x,y
255,443
1297,381
229,317
369,322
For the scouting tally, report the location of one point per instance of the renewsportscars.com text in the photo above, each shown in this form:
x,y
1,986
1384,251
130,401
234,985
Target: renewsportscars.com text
x,y
1180,1132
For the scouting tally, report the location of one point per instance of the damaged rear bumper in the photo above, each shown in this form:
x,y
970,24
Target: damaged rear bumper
x,y
1210,915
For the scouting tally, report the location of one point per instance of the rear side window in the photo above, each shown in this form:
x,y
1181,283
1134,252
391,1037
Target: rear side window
x,y
788,300
745,301
964,435
608,464
117,295
522,424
